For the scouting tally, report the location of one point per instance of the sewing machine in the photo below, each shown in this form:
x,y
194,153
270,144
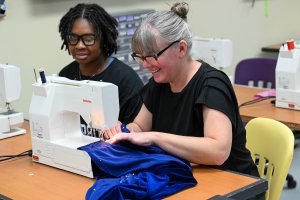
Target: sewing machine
x,y
288,76
10,88
215,51
55,109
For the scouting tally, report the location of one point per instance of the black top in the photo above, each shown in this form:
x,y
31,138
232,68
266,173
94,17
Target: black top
x,y
128,82
182,113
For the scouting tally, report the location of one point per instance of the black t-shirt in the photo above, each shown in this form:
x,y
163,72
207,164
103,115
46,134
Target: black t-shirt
x,y
128,82
182,113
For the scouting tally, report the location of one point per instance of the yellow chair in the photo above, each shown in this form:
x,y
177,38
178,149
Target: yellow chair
x,y
272,143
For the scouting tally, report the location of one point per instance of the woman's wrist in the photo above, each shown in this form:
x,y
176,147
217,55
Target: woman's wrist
x,y
132,127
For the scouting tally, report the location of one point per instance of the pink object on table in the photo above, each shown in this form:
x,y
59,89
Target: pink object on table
x,y
271,92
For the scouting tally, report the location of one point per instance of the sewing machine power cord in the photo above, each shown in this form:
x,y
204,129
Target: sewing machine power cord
x,y
256,101
8,157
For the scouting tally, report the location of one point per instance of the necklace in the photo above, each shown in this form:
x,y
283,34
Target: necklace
x,y
80,78
110,59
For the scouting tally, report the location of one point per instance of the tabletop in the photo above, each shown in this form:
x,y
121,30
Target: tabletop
x,y
265,108
23,179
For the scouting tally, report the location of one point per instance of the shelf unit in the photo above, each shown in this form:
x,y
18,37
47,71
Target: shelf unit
x,y
128,22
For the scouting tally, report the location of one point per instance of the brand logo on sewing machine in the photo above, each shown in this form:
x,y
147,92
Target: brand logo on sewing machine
x,y
87,101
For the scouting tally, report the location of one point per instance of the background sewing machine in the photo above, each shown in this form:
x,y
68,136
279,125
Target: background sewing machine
x,y
215,51
288,76
54,114
10,88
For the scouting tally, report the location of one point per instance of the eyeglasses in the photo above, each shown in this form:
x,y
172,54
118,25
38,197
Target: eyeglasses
x,y
151,59
87,39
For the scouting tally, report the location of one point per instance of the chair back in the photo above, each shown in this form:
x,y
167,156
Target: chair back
x,y
257,72
272,143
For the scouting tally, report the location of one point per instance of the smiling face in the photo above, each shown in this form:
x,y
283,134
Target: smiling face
x,y
164,69
83,54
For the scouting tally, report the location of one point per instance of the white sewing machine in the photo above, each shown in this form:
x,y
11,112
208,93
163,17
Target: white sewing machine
x,y
54,114
10,88
216,52
288,76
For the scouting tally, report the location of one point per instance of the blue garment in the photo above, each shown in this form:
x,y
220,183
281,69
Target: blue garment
x,y
128,171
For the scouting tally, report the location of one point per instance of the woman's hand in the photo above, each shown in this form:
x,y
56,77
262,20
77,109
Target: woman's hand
x,y
113,131
141,139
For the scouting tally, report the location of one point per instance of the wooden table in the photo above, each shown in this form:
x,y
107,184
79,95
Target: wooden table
x,y
276,47
272,48
264,108
23,179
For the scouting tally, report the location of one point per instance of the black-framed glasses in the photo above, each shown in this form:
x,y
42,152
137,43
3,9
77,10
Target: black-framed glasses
x,y
87,39
151,59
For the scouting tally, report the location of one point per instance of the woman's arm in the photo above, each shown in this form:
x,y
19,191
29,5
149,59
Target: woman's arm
x,y
141,123
212,149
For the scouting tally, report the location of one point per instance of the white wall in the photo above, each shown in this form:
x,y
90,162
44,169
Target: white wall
x,y
29,35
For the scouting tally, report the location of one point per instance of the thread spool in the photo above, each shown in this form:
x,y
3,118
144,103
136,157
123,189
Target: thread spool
x,y
42,75
2,7
290,44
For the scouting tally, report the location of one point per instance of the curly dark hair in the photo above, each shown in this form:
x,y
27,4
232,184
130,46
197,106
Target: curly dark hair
x,y
105,26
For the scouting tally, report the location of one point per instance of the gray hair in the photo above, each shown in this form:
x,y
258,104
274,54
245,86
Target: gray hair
x,y
168,25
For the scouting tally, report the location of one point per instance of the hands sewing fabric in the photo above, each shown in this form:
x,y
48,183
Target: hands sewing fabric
x,y
115,135
113,131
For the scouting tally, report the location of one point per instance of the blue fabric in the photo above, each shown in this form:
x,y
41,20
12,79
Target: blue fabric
x,y
128,171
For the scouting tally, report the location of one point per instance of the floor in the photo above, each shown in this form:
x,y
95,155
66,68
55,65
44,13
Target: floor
x,y
293,194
